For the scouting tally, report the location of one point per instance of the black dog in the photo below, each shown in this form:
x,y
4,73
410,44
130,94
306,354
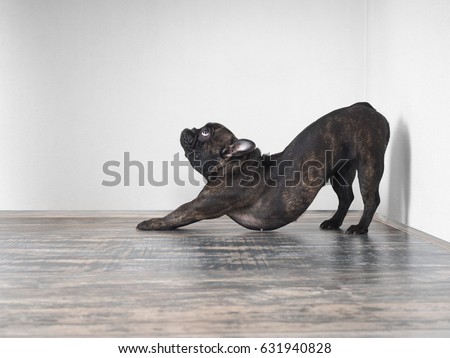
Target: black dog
x,y
269,191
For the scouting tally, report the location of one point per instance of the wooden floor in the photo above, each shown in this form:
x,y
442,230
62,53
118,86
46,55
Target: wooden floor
x,y
90,274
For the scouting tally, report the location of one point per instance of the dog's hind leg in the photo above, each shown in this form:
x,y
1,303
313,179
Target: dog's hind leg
x,y
342,185
369,176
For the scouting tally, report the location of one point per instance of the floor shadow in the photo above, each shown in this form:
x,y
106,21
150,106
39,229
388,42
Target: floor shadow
x,y
400,174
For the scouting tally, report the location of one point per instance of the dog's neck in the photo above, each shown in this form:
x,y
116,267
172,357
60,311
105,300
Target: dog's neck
x,y
222,167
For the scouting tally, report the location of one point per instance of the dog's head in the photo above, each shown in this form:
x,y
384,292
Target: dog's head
x,y
210,148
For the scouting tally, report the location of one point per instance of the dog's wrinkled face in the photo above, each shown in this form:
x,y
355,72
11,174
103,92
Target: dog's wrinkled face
x,y
206,148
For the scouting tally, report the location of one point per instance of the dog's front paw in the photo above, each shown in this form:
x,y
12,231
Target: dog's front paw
x,y
152,224
356,230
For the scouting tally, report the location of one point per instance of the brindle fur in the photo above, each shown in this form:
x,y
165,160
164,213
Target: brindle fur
x,y
252,190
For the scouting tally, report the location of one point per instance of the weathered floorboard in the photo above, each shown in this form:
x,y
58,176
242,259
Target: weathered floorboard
x,y
90,274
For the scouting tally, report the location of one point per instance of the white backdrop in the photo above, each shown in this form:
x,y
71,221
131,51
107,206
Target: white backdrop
x,y
409,78
83,82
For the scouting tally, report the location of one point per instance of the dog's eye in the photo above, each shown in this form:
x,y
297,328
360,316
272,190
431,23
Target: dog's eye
x,y
205,132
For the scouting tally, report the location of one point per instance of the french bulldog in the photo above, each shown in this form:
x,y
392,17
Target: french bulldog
x,y
266,192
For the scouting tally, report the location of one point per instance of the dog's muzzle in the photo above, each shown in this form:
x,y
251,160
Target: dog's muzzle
x,y
187,138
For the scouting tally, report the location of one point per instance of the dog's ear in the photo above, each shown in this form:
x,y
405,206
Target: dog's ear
x,y
238,148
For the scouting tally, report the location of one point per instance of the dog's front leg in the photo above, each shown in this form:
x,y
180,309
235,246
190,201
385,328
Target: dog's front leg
x,y
198,209
184,215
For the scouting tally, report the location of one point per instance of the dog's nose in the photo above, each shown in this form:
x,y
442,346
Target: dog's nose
x,y
187,137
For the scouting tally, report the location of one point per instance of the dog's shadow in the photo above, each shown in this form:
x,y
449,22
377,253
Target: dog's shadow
x,y
400,174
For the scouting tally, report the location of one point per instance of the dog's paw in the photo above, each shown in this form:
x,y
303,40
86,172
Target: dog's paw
x,y
329,225
152,224
356,230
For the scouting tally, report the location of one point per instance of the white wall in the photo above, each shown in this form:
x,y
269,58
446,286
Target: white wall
x,y
409,81
84,81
